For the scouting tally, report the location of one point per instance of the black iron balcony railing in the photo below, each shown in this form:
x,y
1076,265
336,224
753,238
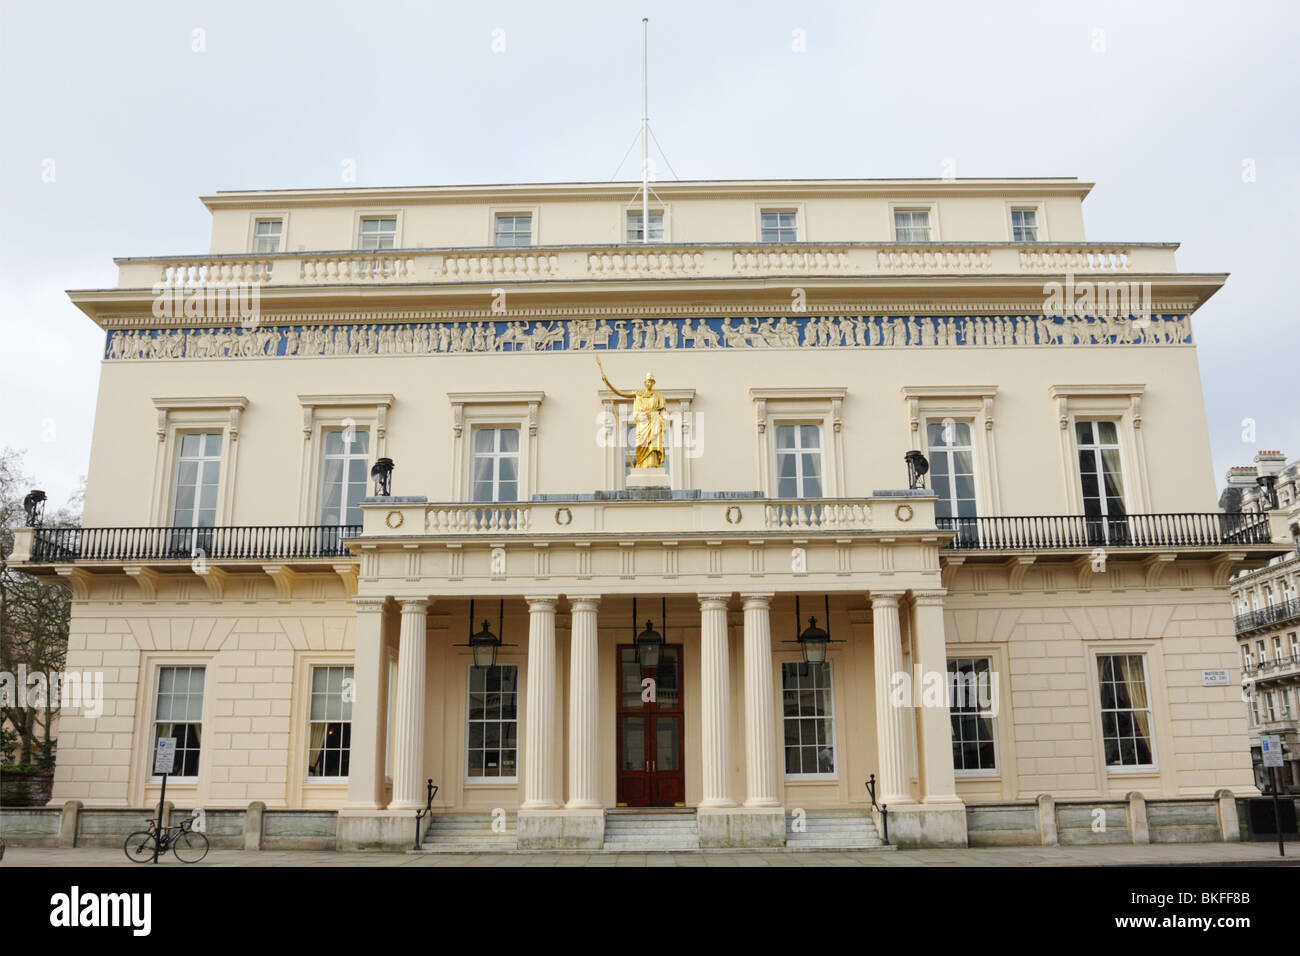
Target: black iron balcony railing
x,y
1049,532
264,542
1283,662
1274,614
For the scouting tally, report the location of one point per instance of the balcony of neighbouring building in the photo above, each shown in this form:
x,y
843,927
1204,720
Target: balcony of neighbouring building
x,y
654,261
1281,668
1274,615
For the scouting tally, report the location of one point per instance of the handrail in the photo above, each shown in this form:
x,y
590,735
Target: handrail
x,y
882,810
1048,532
59,545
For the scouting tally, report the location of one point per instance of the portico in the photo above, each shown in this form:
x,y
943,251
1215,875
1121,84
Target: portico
x,y
715,726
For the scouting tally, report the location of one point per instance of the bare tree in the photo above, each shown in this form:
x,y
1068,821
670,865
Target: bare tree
x,y
34,617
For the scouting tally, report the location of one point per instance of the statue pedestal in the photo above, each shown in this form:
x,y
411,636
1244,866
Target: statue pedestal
x,y
648,478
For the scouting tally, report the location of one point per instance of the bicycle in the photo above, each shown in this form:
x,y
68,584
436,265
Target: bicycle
x,y
188,845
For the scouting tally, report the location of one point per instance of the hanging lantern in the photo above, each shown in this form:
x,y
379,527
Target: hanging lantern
x,y
484,644
813,641
649,643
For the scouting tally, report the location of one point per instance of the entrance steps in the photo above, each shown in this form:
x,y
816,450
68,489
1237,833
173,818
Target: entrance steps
x,y
468,833
845,829
659,829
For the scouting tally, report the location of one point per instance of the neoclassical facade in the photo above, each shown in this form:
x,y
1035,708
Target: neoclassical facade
x,y
1267,603
1044,612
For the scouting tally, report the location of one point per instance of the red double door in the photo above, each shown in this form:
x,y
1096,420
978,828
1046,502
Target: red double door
x,y
650,738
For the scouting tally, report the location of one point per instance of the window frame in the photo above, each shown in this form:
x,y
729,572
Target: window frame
x,y
1039,209
656,209
469,410
796,778
1096,448
976,404
485,781
322,413
798,450
1152,709
496,455
158,666
362,215
806,406
982,773
1121,403
202,461
281,239
309,693
367,458
795,210
181,416
930,208
515,214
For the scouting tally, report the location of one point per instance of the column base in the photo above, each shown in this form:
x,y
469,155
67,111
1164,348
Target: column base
x,y
914,825
560,829
741,826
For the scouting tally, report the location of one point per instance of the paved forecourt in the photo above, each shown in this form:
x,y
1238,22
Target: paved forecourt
x,y
1202,854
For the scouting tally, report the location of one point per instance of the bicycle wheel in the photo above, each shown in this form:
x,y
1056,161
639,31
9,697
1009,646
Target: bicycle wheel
x,y
139,846
190,847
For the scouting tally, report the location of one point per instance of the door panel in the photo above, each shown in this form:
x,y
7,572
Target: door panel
x,y
650,732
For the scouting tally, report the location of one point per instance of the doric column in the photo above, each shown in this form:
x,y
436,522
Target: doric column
x,y
541,778
408,708
715,701
938,784
584,676
760,722
891,778
365,768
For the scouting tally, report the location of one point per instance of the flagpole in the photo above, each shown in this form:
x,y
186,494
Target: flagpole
x,y
645,129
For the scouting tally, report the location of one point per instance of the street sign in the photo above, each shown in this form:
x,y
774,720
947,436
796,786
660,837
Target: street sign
x,y
164,757
1270,746
1214,678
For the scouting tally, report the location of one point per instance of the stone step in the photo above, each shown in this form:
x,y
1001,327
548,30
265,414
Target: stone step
x,y
651,847
481,847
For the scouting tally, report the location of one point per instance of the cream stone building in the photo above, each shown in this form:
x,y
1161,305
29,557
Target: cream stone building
x,y
1267,602
307,641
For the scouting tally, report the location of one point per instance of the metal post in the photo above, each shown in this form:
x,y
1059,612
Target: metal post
x,y
645,131
1277,812
162,799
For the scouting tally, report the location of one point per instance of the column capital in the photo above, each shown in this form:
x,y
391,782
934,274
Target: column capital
x,y
885,598
583,602
714,601
414,605
542,602
369,605
758,599
930,598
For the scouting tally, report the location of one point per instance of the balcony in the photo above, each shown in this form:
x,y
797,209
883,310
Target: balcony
x,y
1275,615
655,261
1036,533
1280,668
249,543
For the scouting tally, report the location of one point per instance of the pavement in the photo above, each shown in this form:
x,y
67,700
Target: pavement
x,y
1184,854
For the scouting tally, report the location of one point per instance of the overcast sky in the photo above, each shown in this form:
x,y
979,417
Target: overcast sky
x,y
1165,106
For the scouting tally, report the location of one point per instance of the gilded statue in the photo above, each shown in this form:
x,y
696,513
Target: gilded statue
x,y
648,416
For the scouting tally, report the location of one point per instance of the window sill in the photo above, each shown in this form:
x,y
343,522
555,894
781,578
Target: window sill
x,y
1146,770
977,774
173,781
493,782
823,778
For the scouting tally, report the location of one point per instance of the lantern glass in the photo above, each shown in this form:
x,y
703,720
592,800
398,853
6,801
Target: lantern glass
x,y
648,645
813,642
484,644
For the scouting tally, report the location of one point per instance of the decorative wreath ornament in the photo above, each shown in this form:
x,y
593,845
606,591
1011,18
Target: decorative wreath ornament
x,y
394,519
563,516
734,514
903,512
